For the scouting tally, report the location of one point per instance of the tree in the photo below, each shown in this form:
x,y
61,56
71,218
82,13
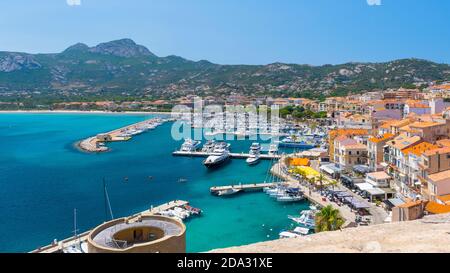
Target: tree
x,y
328,219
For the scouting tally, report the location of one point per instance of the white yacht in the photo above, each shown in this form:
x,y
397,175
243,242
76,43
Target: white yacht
x,y
273,149
290,198
297,232
226,192
209,146
253,159
306,219
255,148
218,157
190,145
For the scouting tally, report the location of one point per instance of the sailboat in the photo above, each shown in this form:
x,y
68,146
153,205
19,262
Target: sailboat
x,y
78,247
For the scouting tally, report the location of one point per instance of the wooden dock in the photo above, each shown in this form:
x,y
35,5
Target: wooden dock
x,y
242,187
232,155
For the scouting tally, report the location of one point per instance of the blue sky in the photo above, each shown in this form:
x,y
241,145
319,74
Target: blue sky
x,y
237,31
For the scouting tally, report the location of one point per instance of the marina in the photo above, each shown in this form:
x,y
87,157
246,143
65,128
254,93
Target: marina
x,y
232,155
97,143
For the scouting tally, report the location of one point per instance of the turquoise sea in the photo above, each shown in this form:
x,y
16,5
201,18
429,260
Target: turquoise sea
x,y
43,177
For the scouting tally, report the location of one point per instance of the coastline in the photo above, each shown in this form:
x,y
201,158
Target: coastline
x,y
81,112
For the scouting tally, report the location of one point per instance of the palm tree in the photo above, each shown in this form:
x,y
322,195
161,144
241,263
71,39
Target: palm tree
x,y
321,178
328,219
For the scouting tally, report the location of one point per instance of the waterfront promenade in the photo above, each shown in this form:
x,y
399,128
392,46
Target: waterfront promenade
x,y
378,214
312,195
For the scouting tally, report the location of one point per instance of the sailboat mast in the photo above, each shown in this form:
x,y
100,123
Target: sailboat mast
x,y
107,203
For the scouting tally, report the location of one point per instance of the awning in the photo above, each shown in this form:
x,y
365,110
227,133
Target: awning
x,y
364,186
357,204
330,169
343,194
375,191
394,202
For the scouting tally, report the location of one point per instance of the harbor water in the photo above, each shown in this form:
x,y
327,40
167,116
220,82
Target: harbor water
x,y
43,177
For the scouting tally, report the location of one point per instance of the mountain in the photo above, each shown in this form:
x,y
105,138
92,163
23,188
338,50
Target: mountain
x,y
123,68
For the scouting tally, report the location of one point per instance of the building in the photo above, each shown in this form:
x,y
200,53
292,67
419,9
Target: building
x,y
375,150
418,108
409,211
353,121
146,234
438,185
378,179
349,152
430,131
350,133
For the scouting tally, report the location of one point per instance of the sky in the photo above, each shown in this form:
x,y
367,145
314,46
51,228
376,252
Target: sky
x,y
237,31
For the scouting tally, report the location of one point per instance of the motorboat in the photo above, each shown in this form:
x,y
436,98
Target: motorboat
x,y
209,146
217,158
306,219
297,232
290,198
255,148
226,192
253,159
294,142
190,145
273,149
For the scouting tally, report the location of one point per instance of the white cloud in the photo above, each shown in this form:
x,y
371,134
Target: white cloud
x,y
73,2
374,2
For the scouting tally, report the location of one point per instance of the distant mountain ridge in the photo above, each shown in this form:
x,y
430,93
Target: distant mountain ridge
x,y
123,67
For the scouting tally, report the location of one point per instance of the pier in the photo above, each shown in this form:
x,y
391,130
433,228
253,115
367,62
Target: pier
x,y
58,246
97,143
242,187
232,155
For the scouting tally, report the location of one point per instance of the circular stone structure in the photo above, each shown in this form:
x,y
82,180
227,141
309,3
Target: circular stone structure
x,y
143,234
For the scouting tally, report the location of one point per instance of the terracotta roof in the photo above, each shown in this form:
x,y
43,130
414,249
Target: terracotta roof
x,y
379,175
355,146
436,208
420,148
424,124
402,141
410,204
418,105
387,123
440,177
348,132
444,198
401,123
381,138
443,142
443,150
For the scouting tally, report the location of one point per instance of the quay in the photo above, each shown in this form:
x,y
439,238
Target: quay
x,y
242,187
57,247
97,143
232,155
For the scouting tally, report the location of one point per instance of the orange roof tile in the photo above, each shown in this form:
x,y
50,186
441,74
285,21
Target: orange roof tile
x,y
436,208
410,204
299,162
379,139
440,177
424,124
443,150
420,148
